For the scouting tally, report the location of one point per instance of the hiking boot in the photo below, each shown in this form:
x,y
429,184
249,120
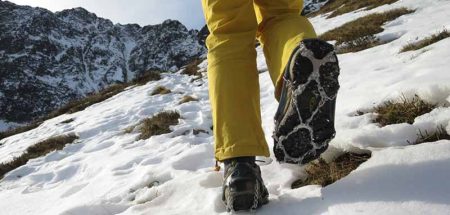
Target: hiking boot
x,y
304,122
243,187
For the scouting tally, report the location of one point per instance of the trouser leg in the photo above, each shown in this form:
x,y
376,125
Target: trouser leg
x,y
281,29
233,79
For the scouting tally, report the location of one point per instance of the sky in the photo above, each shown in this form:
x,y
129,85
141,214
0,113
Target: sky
x,y
142,12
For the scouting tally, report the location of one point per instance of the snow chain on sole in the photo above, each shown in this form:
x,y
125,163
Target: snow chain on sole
x,y
304,125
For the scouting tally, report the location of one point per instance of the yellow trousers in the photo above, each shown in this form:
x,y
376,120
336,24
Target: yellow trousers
x,y
234,26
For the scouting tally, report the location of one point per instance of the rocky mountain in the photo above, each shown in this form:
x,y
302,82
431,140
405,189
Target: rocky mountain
x,y
48,59
310,6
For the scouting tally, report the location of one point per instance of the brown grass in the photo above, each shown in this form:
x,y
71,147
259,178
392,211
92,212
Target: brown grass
x,y
81,104
425,136
198,131
146,77
339,7
359,44
37,150
158,124
91,99
104,94
160,90
359,34
187,99
192,68
19,130
426,41
322,173
129,129
67,121
403,111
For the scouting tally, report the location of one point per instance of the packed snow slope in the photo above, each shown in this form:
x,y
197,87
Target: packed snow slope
x,y
108,171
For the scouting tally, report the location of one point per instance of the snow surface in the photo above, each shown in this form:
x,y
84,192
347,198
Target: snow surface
x,y
108,172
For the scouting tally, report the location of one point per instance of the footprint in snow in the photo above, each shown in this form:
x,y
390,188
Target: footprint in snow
x,y
98,209
65,173
19,173
148,189
212,180
127,167
198,157
100,146
130,164
73,190
151,161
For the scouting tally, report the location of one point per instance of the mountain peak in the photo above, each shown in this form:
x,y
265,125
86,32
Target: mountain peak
x,y
65,55
78,13
173,24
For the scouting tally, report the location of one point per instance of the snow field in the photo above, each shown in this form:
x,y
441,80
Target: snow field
x,y
106,155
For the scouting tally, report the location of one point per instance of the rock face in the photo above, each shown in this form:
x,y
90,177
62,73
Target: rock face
x,y
202,35
48,59
312,6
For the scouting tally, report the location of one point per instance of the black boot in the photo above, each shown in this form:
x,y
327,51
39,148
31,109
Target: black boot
x,y
243,187
304,122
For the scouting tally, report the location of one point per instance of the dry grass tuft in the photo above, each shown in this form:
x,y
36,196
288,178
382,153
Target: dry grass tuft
x,y
129,129
339,7
160,90
426,42
403,111
186,99
322,173
67,121
198,131
359,44
146,77
359,34
425,136
192,68
37,150
158,124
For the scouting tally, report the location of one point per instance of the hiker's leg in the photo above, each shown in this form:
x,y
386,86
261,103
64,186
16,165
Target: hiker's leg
x,y
233,79
281,29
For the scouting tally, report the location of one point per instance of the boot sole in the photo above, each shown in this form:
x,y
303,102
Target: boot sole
x,y
305,124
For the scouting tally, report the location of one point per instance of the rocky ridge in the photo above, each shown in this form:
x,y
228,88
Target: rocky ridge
x,y
48,59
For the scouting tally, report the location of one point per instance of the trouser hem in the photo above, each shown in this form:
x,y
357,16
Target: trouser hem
x,y
241,151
